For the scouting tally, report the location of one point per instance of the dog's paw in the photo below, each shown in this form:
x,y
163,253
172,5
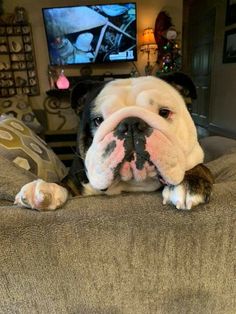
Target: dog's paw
x,y
195,189
41,195
181,197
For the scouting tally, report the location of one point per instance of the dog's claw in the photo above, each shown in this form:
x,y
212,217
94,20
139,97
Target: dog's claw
x,y
178,205
189,204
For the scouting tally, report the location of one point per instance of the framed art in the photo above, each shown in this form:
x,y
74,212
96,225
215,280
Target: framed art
x,y
229,52
230,12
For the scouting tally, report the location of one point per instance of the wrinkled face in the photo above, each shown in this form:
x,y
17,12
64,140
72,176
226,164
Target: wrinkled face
x,y
139,130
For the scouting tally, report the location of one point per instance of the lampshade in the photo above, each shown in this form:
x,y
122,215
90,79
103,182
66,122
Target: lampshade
x,y
148,40
148,36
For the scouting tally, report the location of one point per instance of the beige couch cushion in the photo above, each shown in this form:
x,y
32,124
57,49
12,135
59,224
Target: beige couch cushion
x,y
126,254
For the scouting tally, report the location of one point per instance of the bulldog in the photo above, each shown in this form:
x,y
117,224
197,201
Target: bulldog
x,y
135,134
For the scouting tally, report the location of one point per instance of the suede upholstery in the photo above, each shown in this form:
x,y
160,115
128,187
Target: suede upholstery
x,y
126,254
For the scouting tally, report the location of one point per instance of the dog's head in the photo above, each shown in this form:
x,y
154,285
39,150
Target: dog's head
x,y
135,129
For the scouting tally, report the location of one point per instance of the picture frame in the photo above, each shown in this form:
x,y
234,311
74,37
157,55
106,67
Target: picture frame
x,y
230,12
229,50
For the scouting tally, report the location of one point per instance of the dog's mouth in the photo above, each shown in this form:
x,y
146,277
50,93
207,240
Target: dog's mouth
x,y
136,163
138,167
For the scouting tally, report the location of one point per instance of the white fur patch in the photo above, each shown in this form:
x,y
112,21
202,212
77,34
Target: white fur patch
x,y
180,197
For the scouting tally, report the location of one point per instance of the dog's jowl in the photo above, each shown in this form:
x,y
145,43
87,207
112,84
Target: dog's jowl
x,y
135,135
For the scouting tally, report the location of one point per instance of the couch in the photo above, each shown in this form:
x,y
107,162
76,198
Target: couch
x,y
125,254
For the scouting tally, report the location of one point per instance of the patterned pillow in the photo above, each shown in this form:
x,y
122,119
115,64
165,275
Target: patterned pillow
x,y
18,106
21,145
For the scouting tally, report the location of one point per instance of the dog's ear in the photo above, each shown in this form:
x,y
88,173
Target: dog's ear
x,y
83,92
82,96
183,83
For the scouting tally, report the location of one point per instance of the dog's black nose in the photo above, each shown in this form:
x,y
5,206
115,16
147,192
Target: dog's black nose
x,y
132,125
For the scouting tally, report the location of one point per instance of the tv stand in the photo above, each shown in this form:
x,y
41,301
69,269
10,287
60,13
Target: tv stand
x,y
104,77
65,93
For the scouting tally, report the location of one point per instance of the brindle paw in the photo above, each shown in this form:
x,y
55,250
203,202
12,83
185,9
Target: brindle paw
x,y
41,195
187,194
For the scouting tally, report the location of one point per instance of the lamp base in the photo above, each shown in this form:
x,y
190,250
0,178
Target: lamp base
x,y
148,69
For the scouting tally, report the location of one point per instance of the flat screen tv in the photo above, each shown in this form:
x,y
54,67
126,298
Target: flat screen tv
x,y
91,33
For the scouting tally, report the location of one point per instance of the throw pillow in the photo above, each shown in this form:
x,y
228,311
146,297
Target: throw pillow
x,y
18,106
21,145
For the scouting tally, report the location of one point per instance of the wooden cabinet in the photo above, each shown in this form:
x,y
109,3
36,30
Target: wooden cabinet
x,y
18,73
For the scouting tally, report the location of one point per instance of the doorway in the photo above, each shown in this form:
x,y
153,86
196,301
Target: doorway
x,y
198,42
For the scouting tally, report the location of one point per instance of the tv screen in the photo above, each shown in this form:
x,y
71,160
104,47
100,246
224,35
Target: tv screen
x,y
91,33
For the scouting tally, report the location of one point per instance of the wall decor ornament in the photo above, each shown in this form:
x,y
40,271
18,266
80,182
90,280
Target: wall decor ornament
x,y
18,72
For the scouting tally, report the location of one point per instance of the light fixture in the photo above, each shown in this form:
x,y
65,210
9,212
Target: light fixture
x,y
62,81
148,45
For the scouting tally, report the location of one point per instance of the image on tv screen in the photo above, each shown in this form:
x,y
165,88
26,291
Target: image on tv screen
x,y
91,34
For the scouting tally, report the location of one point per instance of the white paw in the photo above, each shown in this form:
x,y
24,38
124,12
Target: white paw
x,y
41,195
180,196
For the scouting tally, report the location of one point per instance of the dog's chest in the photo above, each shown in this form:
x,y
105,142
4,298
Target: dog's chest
x,y
148,185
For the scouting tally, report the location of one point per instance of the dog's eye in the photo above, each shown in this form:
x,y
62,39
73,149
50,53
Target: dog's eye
x,y
97,121
165,113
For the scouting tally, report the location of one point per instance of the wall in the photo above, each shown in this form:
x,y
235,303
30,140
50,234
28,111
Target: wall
x,y
147,12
